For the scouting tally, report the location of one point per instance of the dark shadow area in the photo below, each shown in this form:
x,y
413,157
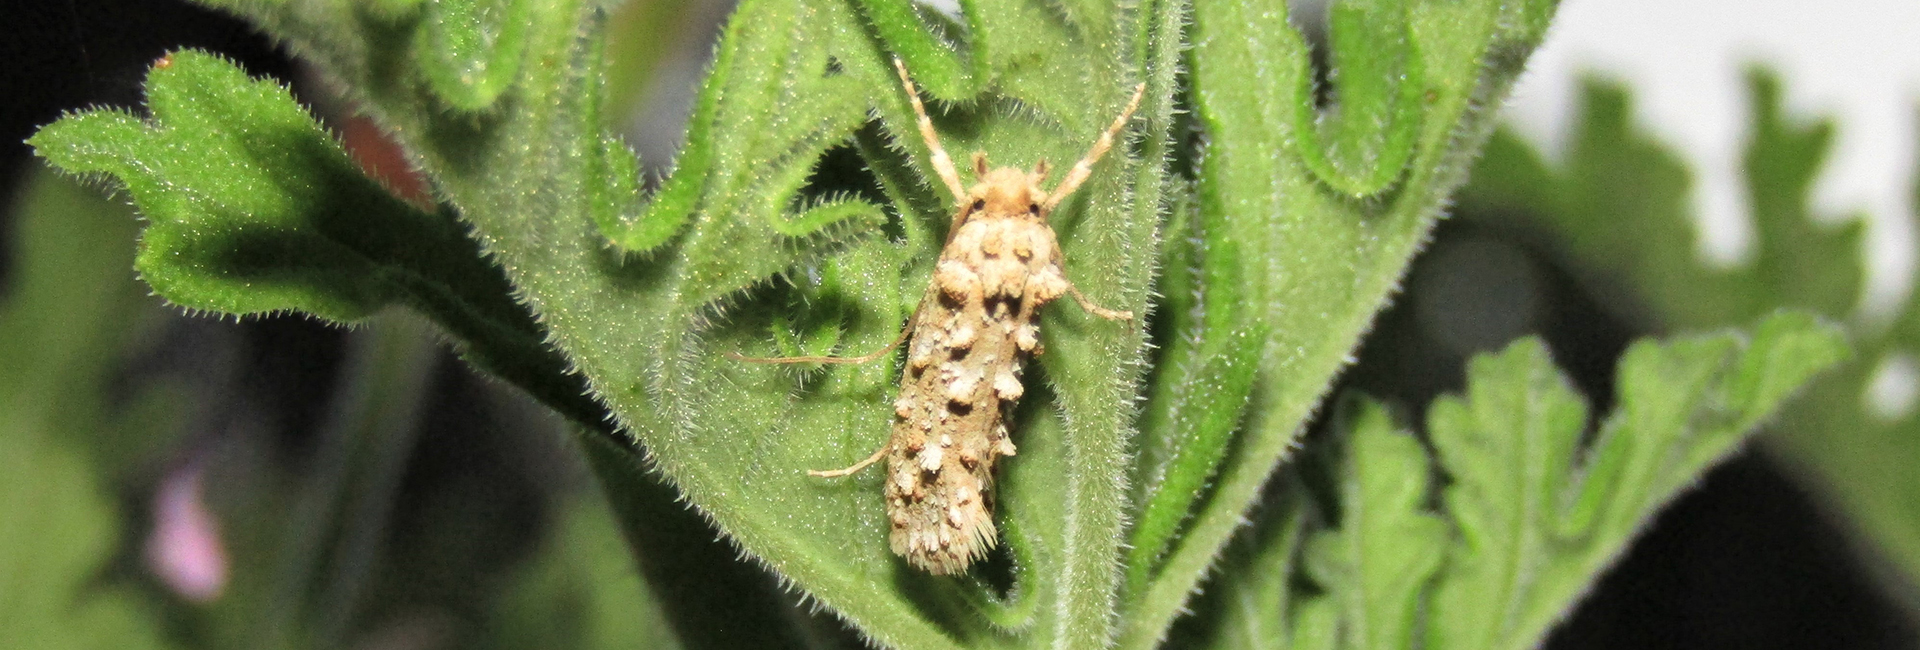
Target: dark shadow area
x,y
1746,560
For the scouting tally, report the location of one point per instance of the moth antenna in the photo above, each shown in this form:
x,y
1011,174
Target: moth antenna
x,y
979,164
856,467
942,164
1081,170
1097,310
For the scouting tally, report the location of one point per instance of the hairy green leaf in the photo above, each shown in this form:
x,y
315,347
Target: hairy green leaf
x,y
1318,262
252,208
770,234
778,98
538,182
472,49
249,200
1376,565
1202,382
1253,597
1065,585
1362,143
912,31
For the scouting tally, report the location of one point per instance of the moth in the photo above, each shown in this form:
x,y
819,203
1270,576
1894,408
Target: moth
x,y
970,339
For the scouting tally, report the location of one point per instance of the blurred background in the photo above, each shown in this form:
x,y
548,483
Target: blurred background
x,y
280,483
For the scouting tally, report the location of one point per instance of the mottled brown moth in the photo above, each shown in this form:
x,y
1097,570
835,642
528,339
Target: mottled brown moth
x,y
970,338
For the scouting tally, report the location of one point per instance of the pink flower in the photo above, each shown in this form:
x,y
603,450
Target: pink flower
x,y
184,549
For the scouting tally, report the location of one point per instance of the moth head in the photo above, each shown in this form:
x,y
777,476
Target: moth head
x,y
1006,192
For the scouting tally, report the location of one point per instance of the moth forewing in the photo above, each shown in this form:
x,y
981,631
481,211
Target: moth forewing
x,y
967,345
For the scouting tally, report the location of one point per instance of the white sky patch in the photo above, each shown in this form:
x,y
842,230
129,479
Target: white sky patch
x,y
1857,61
1896,384
949,7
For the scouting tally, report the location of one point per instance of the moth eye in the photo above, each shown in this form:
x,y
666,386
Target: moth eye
x,y
979,204
1033,208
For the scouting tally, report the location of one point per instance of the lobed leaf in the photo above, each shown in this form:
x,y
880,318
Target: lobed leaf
x,y
1531,511
778,99
1618,206
1538,516
1376,566
1317,261
252,208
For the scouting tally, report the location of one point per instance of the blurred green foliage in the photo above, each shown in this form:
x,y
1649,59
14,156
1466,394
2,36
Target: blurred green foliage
x,y
1531,511
70,316
1618,208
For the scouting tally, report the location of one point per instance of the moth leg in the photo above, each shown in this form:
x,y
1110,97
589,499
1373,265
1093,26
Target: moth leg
x,y
1096,309
1081,170
942,165
837,473
902,338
